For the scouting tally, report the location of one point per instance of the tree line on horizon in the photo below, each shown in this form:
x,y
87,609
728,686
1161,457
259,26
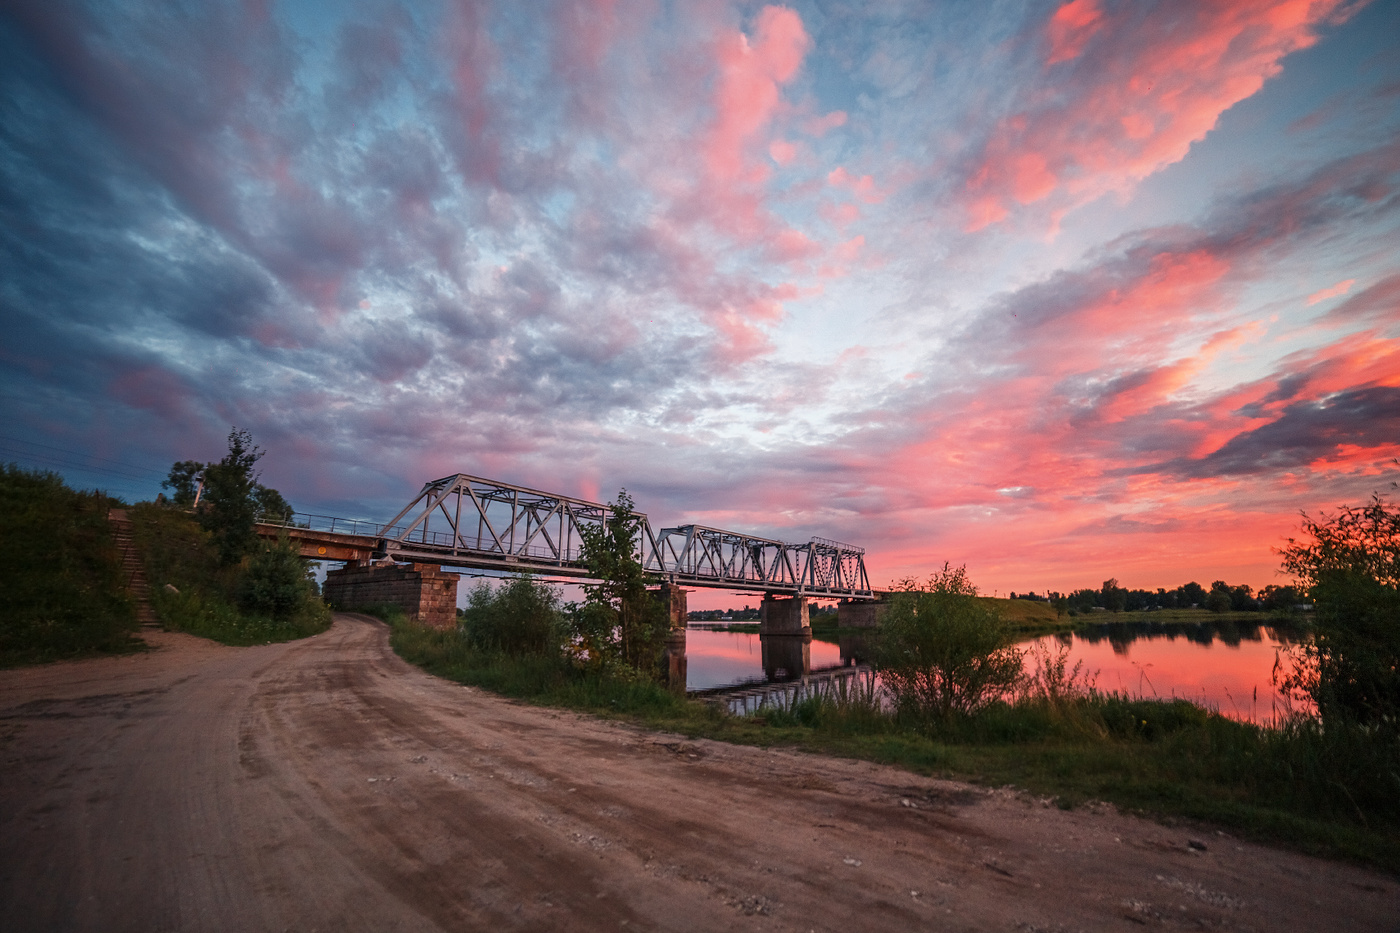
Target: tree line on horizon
x,y
1221,597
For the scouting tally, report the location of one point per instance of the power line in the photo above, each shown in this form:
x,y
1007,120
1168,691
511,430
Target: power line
x,y
76,453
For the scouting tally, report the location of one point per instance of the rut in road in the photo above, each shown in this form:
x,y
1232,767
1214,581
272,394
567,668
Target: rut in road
x,y
328,784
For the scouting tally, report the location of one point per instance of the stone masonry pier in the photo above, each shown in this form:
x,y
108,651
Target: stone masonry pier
x,y
422,591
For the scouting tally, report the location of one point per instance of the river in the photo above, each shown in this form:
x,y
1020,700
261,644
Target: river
x,y
1223,666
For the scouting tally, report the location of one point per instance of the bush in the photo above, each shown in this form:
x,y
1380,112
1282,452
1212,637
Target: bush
x,y
520,617
62,592
276,582
940,652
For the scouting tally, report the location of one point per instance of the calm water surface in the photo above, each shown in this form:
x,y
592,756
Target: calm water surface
x,y
719,659
1225,667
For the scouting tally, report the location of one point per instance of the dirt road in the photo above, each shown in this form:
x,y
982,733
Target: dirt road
x,y
327,785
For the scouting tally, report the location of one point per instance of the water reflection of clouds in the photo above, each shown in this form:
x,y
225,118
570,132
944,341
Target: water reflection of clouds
x,y
1224,667
715,659
1231,673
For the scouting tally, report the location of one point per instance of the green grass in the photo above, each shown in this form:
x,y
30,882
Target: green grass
x,y
191,593
541,680
1336,795
62,594
1026,618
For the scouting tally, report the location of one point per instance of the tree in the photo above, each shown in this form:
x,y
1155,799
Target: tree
x,y
619,620
183,482
1277,598
1218,599
230,506
1192,594
1115,597
941,652
271,507
1351,570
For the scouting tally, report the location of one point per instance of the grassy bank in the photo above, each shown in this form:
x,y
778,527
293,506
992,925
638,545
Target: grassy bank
x,y
544,681
1333,795
62,594
191,593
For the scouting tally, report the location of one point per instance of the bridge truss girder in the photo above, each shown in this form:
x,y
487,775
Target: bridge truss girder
x,y
513,524
817,567
468,521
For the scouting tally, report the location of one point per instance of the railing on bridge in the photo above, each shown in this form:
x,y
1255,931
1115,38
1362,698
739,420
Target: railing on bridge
x,y
463,520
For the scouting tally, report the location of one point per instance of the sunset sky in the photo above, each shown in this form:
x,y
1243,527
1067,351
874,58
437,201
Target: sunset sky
x,y
1056,291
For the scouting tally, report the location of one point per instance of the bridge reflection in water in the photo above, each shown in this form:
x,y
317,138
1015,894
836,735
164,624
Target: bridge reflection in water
x,y
786,668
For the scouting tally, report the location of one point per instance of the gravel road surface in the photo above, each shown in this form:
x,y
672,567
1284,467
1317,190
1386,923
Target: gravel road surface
x,y
327,785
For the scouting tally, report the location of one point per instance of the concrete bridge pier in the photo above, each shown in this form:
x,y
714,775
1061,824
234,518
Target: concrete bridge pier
x,y
422,591
673,660
783,615
785,637
864,613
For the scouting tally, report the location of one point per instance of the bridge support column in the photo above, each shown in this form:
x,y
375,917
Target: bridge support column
x,y
422,591
783,615
851,613
673,660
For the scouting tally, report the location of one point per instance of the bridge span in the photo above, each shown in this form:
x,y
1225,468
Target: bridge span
x,y
470,522
474,523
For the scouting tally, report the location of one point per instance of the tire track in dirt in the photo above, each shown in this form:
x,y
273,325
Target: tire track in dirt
x,y
328,784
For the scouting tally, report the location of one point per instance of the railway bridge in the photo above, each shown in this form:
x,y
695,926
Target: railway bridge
x,y
468,522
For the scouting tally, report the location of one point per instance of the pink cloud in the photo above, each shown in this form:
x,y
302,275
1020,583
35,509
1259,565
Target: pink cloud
x,y
863,187
792,245
719,181
1140,89
748,92
840,215
1341,288
820,126
1073,25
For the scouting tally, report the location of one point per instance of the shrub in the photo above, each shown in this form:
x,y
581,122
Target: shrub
x,y
940,652
276,581
520,617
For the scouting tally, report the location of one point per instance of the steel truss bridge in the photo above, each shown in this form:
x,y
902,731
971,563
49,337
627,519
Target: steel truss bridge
x,y
467,521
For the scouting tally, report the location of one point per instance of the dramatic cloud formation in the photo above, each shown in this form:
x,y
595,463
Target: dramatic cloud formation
x,y
1105,290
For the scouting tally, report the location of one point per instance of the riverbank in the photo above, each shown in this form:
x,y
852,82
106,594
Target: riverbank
x,y
1166,759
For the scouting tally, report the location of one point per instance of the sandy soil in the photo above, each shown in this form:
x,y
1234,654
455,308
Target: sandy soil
x,y
327,785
